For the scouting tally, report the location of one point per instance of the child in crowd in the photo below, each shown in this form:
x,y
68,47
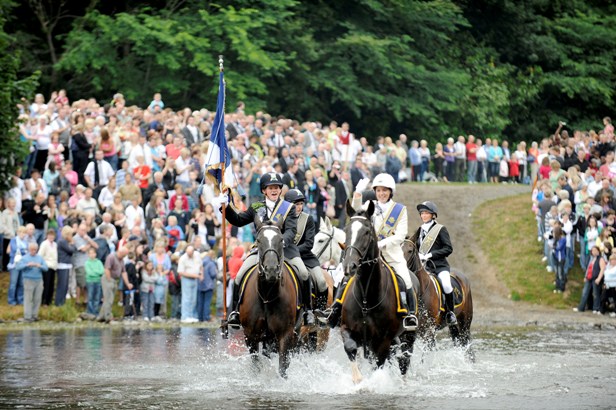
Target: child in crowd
x,y
94,271
157,103
175,288
559,257
148,281
175,233
131,287
160,291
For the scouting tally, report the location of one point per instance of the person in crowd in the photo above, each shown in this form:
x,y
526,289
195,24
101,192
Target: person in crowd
x,y
31,267
114,270
149,276
205,287
49,252
592,280
175,288
190,269
94,272
17,249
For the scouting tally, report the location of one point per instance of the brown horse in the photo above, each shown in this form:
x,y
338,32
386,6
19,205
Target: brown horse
x,y
431,307
269,308
370,310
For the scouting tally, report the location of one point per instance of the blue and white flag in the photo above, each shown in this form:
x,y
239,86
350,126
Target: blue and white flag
x,y
218,152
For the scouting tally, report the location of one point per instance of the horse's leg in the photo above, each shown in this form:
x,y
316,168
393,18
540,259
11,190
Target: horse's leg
x,y
285,346
406,350
350,347
464,338
253,348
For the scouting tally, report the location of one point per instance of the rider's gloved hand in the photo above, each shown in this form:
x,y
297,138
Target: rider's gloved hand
x,y
362,184
424,256
381,244
223,199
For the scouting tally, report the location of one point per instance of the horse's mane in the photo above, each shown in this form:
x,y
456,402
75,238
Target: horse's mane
x,y
410,244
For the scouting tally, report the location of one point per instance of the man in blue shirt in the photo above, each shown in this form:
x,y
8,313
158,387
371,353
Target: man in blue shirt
x,y
32,267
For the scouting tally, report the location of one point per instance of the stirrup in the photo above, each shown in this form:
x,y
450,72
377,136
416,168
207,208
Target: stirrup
x,y
409,323
451,319
309,318
234,320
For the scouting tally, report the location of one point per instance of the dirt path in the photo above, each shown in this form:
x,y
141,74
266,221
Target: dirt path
x,y
491,301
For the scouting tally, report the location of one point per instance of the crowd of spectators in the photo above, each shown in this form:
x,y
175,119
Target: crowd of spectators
x,y
115,200
575,206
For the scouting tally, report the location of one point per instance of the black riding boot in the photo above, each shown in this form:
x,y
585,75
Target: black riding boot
x,y
450,315
410,320
307,301
333,319
234,316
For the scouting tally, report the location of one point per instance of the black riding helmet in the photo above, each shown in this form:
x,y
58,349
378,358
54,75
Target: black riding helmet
x,y
294,195
428,206
271,178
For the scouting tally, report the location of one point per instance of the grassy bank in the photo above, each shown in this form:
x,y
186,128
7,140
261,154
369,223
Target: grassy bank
x,y
507,232
67,313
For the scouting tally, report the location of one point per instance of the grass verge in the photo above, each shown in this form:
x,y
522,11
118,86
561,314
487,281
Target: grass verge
x,y
507,232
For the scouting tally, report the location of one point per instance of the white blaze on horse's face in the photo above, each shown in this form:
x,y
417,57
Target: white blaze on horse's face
x,y
355,228
269,234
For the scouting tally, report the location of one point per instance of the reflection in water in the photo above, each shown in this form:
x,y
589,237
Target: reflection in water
x,y
183,367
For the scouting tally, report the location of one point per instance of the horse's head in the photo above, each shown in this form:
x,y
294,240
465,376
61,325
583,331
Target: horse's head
x,y
327,242
361,242
411,254
270,245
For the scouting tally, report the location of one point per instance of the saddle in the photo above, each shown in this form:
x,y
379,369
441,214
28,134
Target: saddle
x,y
458,292
398,283
292,273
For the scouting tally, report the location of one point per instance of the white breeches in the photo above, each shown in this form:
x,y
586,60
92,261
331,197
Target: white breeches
x,y
445,279
319,279
401,269
252,260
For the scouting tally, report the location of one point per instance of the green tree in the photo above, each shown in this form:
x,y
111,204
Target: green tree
x,y
12,89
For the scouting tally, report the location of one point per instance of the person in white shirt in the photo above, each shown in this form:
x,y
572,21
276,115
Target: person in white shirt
x,y
134,214
190,268
105,171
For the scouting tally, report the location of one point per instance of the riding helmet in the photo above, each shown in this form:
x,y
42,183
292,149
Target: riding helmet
x,y
294,195
384,180
271,178
428,206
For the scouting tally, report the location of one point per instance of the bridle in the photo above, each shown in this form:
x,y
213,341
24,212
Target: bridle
x,y
262,256
349,248
329,243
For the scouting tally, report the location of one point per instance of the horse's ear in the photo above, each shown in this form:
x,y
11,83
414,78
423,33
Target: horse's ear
x,y
370,210
349,208
321,221
258,223
328,223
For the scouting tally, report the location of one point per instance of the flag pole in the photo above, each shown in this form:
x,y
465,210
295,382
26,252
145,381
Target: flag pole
x,y
223,323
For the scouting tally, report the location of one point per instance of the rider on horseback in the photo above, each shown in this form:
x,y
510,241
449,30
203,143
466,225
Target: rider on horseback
x,y
390,221
304,239
272,208
434,244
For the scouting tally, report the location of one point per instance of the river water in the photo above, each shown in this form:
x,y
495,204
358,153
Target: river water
x,y
190,367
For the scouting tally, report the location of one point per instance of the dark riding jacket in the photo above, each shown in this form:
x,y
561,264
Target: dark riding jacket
x,y
305,243
259,210
441,249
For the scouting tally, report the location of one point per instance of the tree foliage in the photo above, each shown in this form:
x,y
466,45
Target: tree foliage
x,y
12,89
426,68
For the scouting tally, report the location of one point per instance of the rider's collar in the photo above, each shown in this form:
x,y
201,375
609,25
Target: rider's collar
x,y
426,227
270,204
384,205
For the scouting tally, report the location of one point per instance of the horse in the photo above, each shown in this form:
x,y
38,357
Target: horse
x,y
269,310
370,307
431,314
327,248
327,243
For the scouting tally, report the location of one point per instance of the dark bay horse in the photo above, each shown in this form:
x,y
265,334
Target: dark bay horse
x,y
370,315
431,315
269,305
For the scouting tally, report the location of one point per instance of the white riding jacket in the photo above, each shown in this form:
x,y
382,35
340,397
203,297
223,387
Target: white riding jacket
x,y
392,249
